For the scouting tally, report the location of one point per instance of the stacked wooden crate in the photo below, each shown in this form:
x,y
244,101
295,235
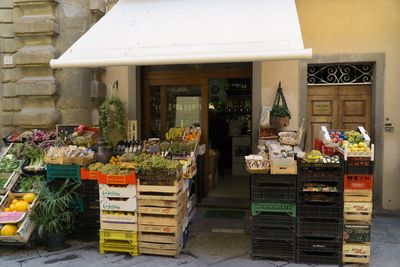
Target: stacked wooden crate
x,y
118,217
162,211
358,184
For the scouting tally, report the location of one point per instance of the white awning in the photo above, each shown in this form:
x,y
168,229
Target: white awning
x,y
153,32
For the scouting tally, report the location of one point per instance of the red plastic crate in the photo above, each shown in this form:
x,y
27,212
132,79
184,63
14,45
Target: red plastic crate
x,y
117,179
358,182
89,175
319,145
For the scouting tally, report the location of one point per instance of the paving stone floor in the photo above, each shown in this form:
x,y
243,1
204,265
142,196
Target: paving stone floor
x,y
203,249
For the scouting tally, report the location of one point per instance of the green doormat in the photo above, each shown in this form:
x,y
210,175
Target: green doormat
x,y
225,214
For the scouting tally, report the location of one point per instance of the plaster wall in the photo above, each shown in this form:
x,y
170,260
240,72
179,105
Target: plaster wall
x,y
349,27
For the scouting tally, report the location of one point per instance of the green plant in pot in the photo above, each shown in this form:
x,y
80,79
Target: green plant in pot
x,y
112,117
54,214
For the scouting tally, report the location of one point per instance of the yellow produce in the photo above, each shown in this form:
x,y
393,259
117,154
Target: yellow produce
x,y
29,197
7,209
12,207
21,206
9,229
14,201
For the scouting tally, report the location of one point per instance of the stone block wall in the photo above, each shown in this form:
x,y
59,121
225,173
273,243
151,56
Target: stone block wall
x,y
32,32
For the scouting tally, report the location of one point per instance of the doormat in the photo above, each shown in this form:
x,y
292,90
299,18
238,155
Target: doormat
x,y
225,214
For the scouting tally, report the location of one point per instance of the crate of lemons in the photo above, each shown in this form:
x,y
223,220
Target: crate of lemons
x,y
17,202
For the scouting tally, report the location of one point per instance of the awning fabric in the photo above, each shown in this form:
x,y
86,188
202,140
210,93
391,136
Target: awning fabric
x,y
153,32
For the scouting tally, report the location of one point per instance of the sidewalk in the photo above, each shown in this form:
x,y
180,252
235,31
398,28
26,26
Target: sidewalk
x,y
202,249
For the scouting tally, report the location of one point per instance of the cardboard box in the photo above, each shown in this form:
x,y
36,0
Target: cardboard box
x,y
127,191
126,204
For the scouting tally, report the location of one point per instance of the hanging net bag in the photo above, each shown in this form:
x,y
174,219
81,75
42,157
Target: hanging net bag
x,y
280,114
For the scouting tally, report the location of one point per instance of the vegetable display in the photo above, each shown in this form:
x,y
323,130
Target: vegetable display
x,y
9,163
36,158
114,169
20,150
31,183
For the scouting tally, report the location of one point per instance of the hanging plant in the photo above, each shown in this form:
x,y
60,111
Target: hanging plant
x,y
280,114
112,117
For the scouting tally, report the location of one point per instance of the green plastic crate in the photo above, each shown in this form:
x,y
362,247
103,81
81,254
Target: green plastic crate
x,y
63,172
258,207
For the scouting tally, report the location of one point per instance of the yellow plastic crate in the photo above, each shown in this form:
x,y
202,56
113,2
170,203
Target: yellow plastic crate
x,y
129,236
119,246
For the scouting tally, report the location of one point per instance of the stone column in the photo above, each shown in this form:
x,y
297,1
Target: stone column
x,y
35,27
10,103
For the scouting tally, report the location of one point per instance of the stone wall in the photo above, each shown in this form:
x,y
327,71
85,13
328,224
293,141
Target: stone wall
x,y
31,33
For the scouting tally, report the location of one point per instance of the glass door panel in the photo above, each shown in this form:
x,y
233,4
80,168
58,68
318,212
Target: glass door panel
x,y
183,105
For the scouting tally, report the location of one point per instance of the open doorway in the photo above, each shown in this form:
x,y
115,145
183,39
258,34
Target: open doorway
x,y
229,141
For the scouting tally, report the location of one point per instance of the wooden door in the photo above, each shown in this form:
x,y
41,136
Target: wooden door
x,y
337,107
322,110
354,107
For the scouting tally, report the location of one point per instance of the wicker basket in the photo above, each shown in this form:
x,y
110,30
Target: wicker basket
x,y
279,122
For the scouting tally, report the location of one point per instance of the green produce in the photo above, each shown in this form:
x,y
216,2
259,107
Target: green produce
x,y
20,150
32,184
158,163
9,163
141,157
3,181
36,158
95,166
114,169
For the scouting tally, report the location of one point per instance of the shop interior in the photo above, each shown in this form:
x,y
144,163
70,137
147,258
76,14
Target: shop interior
x,y
218,98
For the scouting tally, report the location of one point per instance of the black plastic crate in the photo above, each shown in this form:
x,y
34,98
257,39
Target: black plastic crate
x,y
319,244
310,183
274,193
273,233
320,197
355,165
274,219
320,210
317,257
274,250
262,180
320,228
320,169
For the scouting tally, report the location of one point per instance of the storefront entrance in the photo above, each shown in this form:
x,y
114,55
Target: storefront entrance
x,y
216,97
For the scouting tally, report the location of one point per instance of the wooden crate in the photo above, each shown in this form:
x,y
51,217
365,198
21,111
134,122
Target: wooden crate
x,y
278,169
357,195
356,253
159,192
357,212
160,249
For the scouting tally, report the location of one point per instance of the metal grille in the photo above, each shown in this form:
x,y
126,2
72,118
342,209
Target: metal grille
x,y
340,74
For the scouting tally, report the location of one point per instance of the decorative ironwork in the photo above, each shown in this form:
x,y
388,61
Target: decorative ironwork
x,y
340,74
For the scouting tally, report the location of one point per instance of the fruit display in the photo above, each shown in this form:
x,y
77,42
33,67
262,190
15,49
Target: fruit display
x,y
21,204
158,163
360,147
115,159
9,230
192,134
315,156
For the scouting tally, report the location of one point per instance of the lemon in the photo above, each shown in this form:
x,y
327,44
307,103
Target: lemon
x,y
14,201
9,229
21,206
7,209
12,207
29,197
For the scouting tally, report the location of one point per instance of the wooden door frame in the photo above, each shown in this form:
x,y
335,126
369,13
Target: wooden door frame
x,y
378,119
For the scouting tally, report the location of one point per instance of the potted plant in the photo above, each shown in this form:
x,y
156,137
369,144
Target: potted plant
x,y
112,118
53,214
280,114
